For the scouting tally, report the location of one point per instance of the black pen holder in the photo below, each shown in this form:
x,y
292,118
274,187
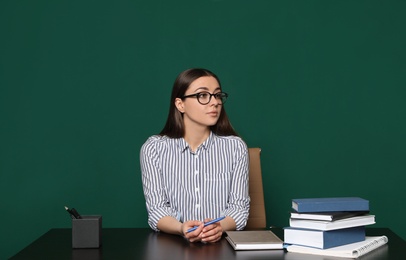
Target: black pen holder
x,y
87,232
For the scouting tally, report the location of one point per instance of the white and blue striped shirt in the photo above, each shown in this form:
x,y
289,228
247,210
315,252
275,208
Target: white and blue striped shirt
x,y
209,183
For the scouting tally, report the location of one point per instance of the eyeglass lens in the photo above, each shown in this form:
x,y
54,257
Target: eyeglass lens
x,y
205,97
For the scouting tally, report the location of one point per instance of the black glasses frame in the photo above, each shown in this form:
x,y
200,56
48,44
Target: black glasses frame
x,y
219,96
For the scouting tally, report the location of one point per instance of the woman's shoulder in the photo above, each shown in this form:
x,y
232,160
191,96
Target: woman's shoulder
x,y
156,139
149,146
232,140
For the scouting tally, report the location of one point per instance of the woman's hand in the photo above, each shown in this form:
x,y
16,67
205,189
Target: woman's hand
x,y
195,235
211,233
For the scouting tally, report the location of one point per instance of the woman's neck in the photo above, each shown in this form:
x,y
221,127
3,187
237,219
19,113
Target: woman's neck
x,y
196,137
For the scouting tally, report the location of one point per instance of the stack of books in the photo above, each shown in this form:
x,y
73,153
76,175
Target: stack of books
x,y
320,224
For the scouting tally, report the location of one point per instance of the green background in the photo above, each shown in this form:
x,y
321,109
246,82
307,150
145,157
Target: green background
x,y
318,85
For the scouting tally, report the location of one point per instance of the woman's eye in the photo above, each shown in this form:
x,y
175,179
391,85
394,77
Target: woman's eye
x,y
203,95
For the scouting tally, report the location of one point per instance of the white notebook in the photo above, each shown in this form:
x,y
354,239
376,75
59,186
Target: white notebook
x,y
353,250
332,225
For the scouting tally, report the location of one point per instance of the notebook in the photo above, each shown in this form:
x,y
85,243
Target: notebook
x,y
353,250
254,240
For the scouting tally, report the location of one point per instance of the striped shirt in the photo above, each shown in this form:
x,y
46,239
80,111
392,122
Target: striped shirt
x,y
209,183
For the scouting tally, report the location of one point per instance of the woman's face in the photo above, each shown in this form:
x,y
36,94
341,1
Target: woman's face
x,y
196,114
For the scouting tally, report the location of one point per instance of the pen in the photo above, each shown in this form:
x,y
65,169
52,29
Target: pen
x,y
207,223
73,213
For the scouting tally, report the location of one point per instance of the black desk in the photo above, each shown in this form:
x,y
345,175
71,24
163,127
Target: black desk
x,y
143,243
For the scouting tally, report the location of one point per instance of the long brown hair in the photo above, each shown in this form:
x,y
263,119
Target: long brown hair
x,y
174,126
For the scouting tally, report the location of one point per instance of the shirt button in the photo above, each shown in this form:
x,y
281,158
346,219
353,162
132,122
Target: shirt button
x,y
196,172
197,189
197,206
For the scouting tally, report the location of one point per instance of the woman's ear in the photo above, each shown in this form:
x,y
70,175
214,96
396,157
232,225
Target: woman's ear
x,y
179,105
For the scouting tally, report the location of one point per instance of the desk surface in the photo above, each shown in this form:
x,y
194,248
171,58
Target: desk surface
x,y
143,243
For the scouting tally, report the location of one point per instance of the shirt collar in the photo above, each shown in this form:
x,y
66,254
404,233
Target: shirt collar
x,y
183,145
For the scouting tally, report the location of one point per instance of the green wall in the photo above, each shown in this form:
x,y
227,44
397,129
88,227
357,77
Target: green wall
x,y
318,85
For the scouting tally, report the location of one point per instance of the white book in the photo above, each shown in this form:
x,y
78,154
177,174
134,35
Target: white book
x,y
353,250
328,216
333,225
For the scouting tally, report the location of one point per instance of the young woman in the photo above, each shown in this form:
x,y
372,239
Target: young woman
x,y
196,169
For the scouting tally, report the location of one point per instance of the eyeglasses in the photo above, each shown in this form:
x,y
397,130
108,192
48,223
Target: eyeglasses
x,y
205,97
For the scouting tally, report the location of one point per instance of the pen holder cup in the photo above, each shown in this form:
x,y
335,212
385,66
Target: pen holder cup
x,y
86,232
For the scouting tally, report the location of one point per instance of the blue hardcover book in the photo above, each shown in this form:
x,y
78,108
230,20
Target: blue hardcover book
x,y
323,239
330,204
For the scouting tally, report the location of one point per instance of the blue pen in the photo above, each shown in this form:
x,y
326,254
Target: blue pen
x,y
207,223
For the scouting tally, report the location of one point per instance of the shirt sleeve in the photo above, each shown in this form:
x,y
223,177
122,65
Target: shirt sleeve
x,y
239,201
155,198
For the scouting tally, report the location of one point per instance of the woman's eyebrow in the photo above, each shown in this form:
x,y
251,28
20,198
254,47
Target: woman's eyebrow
x,y
205,88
